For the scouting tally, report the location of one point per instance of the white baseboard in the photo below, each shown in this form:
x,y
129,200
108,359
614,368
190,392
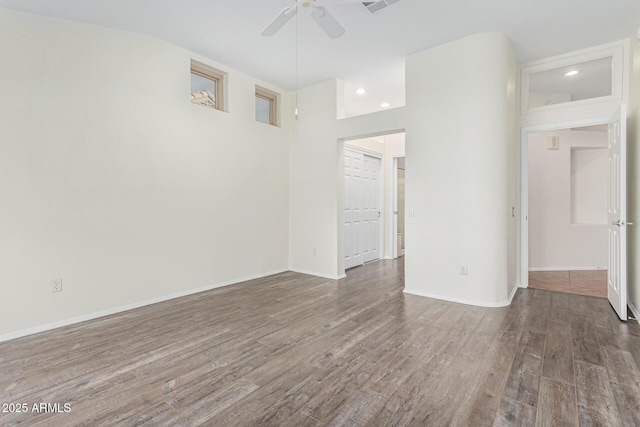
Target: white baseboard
x,y
566,268
127,307
313,273
504,303
635,311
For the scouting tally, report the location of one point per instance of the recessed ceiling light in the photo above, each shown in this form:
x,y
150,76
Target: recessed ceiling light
x,y
385,105
360,91
571,73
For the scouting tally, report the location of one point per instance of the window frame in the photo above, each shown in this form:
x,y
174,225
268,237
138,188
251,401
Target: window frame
x,y
615,51
219,77
273,98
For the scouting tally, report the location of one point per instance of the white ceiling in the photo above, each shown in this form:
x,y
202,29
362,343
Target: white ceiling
x,y
228,31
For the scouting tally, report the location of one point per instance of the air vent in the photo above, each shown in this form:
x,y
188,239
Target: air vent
x,y
377,6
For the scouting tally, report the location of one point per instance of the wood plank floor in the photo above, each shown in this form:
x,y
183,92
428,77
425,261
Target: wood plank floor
x,y
296,350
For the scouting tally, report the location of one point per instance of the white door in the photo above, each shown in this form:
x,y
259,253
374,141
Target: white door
x,y
352,208
371,209
362,225
617,276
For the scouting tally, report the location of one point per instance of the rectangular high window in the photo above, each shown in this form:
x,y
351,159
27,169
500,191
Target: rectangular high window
x,y
573,80
207,85
266,106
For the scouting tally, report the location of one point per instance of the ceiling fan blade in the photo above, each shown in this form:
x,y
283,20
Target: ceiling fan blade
x,y
327,22
279,21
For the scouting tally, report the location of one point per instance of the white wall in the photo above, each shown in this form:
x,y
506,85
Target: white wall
x,y
316,172
555,241
462,185
589,186
633,147
111,180
317,175
460,138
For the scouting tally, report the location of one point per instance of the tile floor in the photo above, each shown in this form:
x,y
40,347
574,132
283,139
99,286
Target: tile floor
x,y
583,282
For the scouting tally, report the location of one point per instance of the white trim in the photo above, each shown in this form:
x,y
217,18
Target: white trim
x,y
313,273
513,293
127,307
361,150
617,51
345,140
524,183
567,268
577,53
634,310
392,205
383,214
504,303
524,208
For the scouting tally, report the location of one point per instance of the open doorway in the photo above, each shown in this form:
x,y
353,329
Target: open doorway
x,y
567,210
399,209
370,220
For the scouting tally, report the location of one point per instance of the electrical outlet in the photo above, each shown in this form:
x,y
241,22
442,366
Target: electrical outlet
x,y
56,285
463,270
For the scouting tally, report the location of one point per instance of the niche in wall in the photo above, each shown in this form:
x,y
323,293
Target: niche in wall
x,y
588,185
567,189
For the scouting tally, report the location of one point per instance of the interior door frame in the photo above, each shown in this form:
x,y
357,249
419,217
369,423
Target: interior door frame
x,y
393,206
524,183
342,142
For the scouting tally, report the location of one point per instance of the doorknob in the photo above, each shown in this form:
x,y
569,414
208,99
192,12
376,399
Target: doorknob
x,y
618,223
378,214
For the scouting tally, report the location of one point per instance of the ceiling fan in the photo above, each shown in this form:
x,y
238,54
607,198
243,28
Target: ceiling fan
x,y
320,14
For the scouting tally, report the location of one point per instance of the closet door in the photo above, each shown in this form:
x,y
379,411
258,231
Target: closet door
x,y
371,210
362,204
352,208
